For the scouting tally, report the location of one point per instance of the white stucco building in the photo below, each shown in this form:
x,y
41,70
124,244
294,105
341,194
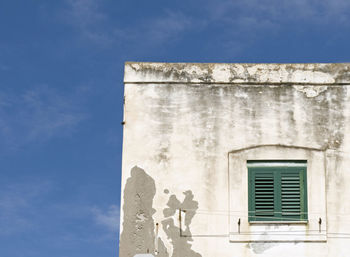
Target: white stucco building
x,y
236,160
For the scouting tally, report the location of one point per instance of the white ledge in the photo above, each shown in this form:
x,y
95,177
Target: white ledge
x,y
239,238
245,73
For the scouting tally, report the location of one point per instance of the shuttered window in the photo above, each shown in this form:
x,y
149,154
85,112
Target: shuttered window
x,y
277,190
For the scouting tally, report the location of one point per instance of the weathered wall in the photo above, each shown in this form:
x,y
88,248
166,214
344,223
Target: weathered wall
x,y
183,125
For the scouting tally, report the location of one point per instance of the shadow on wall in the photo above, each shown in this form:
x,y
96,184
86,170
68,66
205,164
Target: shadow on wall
x,y
138,235
181,245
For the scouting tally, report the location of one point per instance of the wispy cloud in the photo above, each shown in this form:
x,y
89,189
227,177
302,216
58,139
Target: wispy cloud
x,y
324,11
85,12
36,115
27,207
92,24
168,26
237,24
99,28
17,202
246,22
108,219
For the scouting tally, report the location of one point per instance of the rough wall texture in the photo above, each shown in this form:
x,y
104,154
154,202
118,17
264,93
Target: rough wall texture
x,y
181,123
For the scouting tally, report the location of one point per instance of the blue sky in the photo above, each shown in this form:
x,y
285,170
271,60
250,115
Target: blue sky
x,y
61,92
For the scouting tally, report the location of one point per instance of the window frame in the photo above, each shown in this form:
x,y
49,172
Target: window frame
x,y
319,163
274,171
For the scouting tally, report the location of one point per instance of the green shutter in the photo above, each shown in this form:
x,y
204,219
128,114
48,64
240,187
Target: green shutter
x,y
277,190
290,193
264,197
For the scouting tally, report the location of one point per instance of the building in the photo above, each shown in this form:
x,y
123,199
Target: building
x,y
236,160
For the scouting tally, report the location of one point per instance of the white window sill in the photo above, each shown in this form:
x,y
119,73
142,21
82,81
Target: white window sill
x,y
275,237
278,231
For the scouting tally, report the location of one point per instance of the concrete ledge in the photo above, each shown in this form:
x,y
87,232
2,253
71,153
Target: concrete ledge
x,y
246,73
265,237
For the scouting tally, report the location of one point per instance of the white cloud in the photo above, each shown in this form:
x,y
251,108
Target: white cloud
x,y
17,202
97,27
237,24
36,115
109,219
167,26
85,15
243,23
27,207
314,11
85,12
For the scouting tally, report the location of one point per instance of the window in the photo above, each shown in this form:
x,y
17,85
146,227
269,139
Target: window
x,y
277,191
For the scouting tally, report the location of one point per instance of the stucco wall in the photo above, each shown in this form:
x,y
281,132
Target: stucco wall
x,y
190,127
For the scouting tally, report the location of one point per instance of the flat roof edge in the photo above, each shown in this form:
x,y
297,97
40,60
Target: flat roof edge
x,y
238,73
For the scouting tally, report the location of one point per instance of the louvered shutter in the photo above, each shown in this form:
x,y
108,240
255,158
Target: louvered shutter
x,y
263,195
277,190
293,191
290,193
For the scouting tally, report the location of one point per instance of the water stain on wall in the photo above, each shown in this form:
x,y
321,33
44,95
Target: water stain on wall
x,y
260,248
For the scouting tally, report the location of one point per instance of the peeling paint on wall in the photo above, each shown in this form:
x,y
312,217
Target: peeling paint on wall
x,y
311,91
138,234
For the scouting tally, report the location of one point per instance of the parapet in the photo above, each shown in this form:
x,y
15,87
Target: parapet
x,y
238,73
